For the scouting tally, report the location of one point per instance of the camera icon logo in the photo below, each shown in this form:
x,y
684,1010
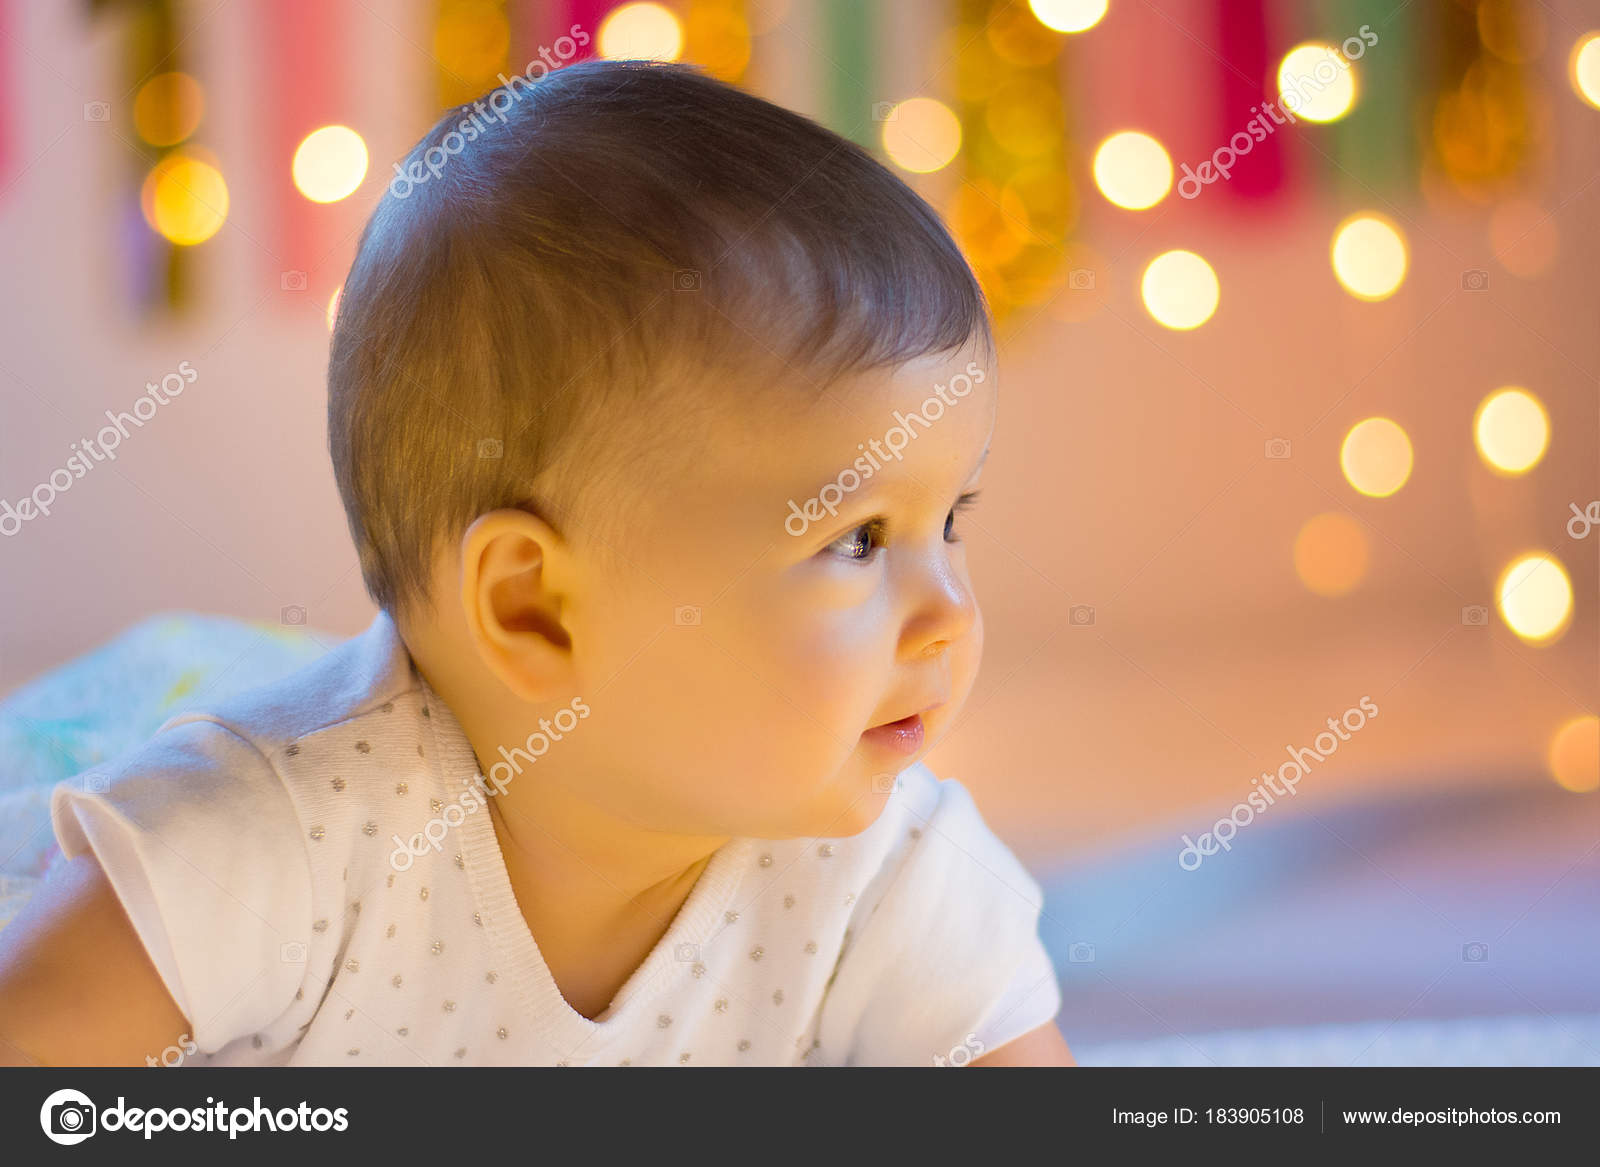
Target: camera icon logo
x,y
1474,280
292,952
94,782
292,281
686,279
1475,952
686,616
491,448
1081,279
1081,953
96,111
885,784
1277,448
1475,616
883,111
293,615
1081,615
68,1117
686,953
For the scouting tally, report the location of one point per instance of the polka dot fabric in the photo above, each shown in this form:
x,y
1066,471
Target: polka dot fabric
x,y
258,852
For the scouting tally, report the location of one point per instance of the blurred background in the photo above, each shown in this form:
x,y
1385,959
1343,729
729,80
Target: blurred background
x,y
1300,359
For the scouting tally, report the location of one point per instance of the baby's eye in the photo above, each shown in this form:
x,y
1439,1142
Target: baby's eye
x,y
860,544
966,501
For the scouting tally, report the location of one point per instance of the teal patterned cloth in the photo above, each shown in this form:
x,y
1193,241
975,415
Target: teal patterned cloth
x,y
104,703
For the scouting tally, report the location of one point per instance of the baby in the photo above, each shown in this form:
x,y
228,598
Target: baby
x,y
653,407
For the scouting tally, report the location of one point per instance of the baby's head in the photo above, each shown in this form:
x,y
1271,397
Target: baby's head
x,y
650,393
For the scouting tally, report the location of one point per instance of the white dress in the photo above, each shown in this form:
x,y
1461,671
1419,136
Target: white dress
x,y
255,851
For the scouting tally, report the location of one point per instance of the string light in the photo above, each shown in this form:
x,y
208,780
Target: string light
x,y
1180,290
184,199
641,32
1369,256
1535,597
168,109
1511,429
1574,755
330,164
1585,68
1376,457
1068,15
921,135
1330,554
1316,83
1133,170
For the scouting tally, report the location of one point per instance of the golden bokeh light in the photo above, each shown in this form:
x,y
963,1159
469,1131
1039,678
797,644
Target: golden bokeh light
x,y
184,199
1133,170
1025,116
330,164
641,32
921,135
1512,430
1574,755
470,42
1180,290
1331,554
1585,68
332,314
1369,256
1534,596
168,108
1376,457
1315,82
1068,15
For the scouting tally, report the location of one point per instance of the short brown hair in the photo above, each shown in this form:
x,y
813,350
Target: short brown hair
x,y
594,239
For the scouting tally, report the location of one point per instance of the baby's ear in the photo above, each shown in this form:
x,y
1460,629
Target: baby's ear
x,y
511,610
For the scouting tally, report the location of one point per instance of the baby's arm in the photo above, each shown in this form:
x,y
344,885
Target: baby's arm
x,y
76,985
1038,1047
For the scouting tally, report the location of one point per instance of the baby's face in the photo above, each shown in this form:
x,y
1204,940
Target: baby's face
x,y
739,658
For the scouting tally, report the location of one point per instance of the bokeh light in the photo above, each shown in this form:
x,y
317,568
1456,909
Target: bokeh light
x,y
470,42
1535,597
1574,756
1132,170
1369,256
1315,82
1330,554
1180,290
921,135
1585,68
1068,15
1512,430
330,164
1026,118
184,199
332,314
1376,457
168,108
641,32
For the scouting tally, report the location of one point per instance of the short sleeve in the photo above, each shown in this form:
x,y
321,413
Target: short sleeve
x,y
948,964
199,837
